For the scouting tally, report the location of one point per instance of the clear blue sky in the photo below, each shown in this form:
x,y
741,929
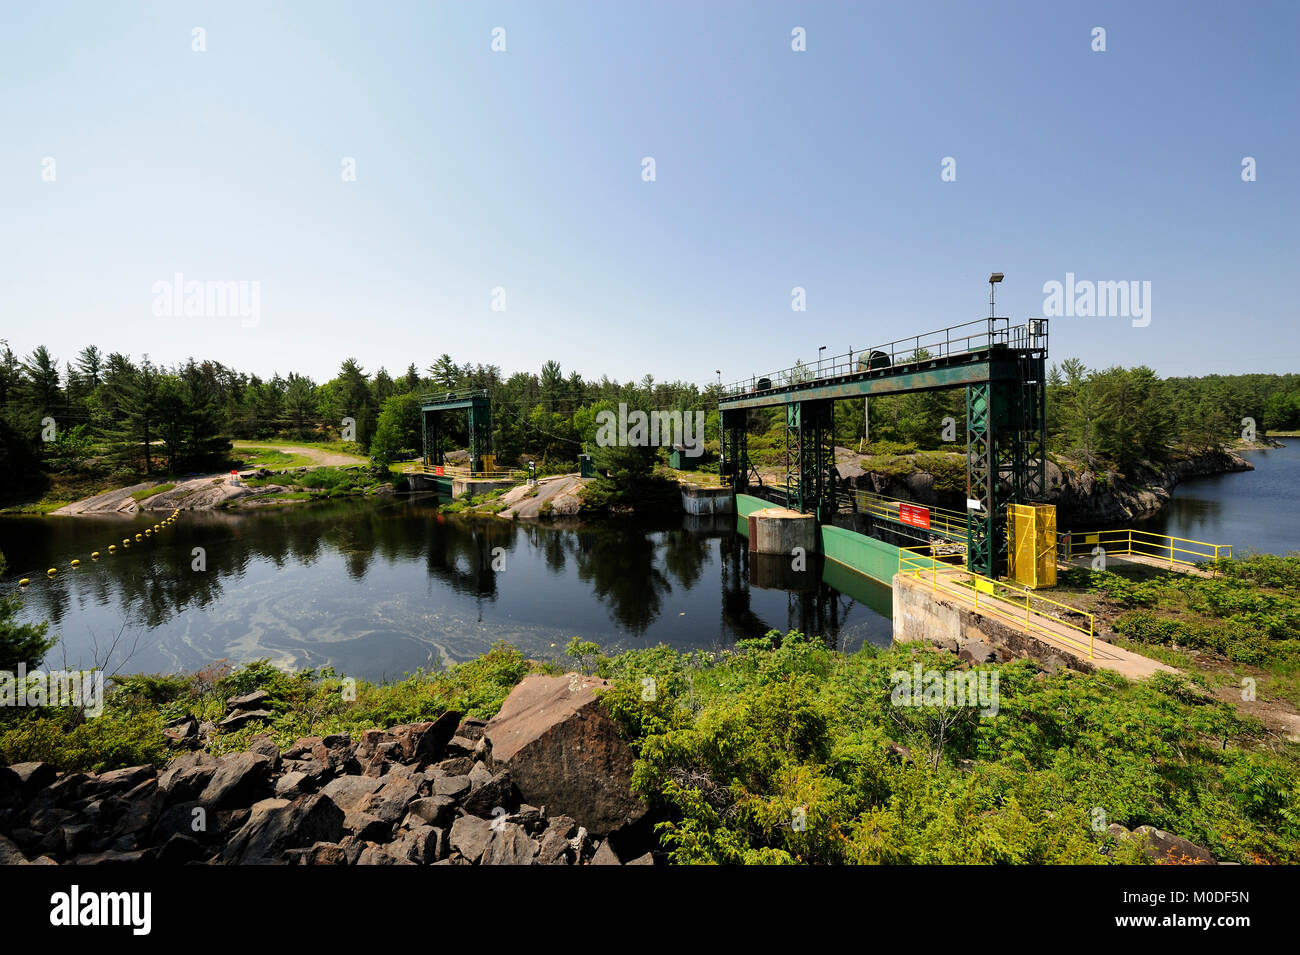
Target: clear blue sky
x,y
522,169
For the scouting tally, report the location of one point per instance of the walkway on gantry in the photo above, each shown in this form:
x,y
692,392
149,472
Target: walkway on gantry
x,y
1002,369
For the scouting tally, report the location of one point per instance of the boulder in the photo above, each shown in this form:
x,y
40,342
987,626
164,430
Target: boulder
x,y
453,786
420,845
562,749
238,780
390,800
347,792
240,719
605,855
974,651
325,853
1167,847
275,825
498,793
434,810
366,827
10,854
378,855
554,849
116,781
469,835
187,776
249,701
24,779
508,844
290,784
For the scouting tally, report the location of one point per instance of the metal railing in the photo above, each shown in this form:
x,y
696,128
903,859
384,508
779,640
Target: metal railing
x,y
944,522
1127,541
455,471
955,341
1008,601
461,394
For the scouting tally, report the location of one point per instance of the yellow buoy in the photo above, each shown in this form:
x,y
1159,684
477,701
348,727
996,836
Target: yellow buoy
x,y
24,582
94,555
148,533
126,541
52,571
76,563
111,548
139,537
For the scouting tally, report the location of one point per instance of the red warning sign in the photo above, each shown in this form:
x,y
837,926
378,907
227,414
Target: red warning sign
x,y
437,470
914,514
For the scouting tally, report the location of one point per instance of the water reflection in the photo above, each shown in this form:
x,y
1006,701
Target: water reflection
x,y
378,588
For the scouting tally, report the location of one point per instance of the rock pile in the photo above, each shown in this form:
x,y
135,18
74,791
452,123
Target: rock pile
x,y
425,794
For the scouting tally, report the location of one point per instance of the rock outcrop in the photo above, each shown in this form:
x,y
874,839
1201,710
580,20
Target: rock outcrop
x,y
428,793
1081,498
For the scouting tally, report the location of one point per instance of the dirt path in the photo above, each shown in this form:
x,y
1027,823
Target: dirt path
x,y
315,455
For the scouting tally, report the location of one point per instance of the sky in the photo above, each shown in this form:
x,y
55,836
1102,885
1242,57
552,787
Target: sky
x,y
501,212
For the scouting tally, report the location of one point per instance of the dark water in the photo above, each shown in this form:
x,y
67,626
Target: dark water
x,y
1255,510
380,588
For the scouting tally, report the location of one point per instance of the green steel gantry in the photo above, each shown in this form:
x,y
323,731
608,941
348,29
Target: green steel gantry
x,y
1002,368
479,406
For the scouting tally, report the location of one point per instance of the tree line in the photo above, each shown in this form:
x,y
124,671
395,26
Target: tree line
x,y
116,412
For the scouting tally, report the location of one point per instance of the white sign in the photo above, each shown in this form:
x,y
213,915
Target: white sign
x,y
972,504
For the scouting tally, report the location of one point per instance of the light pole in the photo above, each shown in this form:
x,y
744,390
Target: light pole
x,y
994,279
819,360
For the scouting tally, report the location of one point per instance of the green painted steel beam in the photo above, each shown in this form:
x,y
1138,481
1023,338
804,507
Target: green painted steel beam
x,y
921,376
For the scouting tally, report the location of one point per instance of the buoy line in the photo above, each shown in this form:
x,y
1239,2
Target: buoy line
x,y
149,533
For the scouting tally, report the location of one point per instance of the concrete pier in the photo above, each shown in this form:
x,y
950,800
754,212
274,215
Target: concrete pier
x,y
707,500
779,530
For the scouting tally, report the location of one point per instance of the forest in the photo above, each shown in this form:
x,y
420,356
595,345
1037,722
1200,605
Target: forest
x,y
124,417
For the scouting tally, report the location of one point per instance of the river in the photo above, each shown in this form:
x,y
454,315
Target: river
x,y
1255,510
379,588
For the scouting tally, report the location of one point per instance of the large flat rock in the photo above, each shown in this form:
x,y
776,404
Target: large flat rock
x,y
563,751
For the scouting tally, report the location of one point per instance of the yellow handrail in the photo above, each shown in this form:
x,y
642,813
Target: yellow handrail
x,y
1122,542
948,578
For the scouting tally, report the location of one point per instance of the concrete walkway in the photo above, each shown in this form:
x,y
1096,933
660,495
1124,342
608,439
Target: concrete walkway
x,y
1060,638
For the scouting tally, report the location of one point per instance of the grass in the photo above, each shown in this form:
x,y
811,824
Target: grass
x,y
271,458
149,492
334,447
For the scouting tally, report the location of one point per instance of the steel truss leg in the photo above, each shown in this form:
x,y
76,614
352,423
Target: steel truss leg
x,y
735,450
1006,445
810,458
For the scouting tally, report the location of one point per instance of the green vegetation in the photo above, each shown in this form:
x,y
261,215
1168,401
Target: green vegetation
x,y
148,492
129,732
730,745
326,482
1242,623
254,456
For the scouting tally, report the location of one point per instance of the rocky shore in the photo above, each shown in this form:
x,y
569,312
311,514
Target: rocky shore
x,y
1081,497
547,781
